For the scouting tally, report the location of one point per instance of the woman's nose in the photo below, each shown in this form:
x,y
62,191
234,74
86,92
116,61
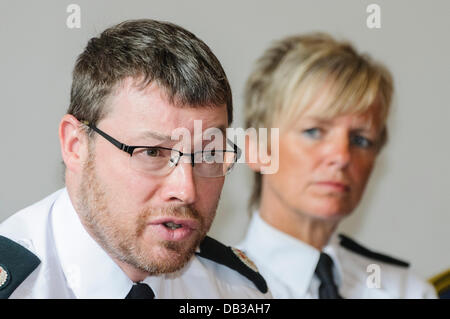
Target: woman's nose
x,y
338,151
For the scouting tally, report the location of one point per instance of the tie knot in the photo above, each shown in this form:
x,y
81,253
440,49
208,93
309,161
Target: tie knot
x,y
324,268
140,291
324,271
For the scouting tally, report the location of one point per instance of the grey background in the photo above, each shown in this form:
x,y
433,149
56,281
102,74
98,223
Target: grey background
x,y
405,211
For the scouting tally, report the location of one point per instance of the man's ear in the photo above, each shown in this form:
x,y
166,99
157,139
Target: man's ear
x,y
74,143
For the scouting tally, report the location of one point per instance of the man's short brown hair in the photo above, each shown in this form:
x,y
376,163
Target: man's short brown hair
x,y
149,51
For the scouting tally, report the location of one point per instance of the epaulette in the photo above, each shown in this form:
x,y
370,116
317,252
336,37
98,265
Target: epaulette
x,y
441,283
350,244
16,264
232,258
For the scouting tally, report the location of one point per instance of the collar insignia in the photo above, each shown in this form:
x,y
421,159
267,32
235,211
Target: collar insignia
x,y
4,277
243,257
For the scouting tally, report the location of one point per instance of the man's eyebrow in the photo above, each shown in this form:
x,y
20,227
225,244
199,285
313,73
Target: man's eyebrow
x,y
155,135
223,128
164,137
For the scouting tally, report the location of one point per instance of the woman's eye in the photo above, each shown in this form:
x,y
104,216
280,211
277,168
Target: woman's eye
x,y
313,133
361,141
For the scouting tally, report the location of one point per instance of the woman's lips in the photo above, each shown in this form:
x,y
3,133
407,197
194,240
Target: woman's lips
x,y
336,186
188,227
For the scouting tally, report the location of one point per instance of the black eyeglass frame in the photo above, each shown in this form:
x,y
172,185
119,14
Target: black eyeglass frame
x,y
130,148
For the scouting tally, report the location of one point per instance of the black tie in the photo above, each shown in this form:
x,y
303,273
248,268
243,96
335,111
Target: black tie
x,y
324,271
140,291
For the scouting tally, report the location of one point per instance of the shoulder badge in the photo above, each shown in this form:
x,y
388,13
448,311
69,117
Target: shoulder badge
x,y
351,245
441,283
4,276
232,258
16,264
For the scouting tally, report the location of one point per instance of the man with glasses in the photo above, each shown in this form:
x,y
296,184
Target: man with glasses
x,y
139,200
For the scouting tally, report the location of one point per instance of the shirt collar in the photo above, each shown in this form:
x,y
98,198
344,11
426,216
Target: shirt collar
x,y
89,270
290,260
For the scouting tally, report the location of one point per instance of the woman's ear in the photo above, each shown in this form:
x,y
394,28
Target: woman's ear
x,y
251,153
259,156
73,142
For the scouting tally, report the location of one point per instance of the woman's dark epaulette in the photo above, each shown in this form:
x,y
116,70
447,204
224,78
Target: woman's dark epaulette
x,y
16,264
232,258
353,246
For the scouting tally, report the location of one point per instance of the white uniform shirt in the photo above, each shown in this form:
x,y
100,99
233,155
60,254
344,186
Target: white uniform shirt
x,y
288,266
73,265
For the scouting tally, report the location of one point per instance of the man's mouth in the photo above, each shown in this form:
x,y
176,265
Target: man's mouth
x,y
175,222
172,225
174,229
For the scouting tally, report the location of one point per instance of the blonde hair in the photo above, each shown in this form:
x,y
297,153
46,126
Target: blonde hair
x,y
289,77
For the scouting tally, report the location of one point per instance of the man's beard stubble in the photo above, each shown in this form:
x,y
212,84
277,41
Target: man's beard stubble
x,y
125,244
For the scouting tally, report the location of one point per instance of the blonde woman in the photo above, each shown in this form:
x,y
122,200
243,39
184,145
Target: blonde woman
x,y
330,104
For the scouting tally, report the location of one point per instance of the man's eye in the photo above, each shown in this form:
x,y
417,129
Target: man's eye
x,y
209,156
313,133
152,152
361,141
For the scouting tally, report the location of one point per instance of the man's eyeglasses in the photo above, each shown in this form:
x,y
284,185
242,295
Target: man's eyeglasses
x,y
160,161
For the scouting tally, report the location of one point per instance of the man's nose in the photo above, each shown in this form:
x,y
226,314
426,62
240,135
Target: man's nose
x,y
338,151
179,185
